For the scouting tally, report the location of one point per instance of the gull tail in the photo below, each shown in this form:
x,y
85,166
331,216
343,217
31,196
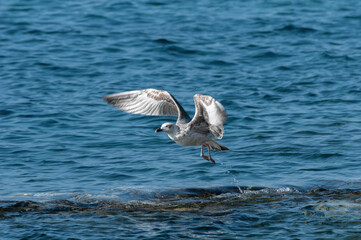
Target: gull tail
x,y
214,145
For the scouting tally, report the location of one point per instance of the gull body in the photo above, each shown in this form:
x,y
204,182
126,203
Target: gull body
x,y
207,121
183,136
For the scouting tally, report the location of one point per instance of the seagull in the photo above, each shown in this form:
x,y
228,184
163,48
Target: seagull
x,y
207,121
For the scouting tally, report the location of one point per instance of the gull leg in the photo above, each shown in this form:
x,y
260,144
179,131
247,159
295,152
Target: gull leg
x,y
209,153
202,154
209,158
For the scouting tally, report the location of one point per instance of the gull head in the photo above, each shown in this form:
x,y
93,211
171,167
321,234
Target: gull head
x,y
168,128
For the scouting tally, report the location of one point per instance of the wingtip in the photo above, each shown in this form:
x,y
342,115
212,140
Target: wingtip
x,y
224,148
110,99
106,98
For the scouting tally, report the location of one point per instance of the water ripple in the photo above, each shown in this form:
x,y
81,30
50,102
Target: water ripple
x,y
287,72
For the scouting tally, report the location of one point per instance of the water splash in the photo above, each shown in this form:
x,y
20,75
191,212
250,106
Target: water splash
x,y
235,180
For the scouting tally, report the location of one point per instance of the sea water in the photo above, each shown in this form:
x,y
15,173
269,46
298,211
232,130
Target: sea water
x,y
287,72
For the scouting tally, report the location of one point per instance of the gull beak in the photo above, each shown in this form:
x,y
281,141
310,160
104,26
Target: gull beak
x,y
158,130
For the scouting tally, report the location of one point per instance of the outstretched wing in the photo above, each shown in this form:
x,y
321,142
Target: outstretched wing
x,y
210,115
148,102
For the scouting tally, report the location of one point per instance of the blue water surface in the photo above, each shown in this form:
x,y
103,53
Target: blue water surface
x,y
287,72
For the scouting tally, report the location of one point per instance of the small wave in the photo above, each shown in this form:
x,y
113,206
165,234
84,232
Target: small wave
x,y
5,112
271,97
357,17
179,50
286,89
329,155
95,16
308,132
112,49
335,101
219,63
252,119
330,55
119,5
156,3
270,54
163,41
284,68
294,28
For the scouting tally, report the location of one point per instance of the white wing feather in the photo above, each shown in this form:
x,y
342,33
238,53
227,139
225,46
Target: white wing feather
x,y
209,112
148,102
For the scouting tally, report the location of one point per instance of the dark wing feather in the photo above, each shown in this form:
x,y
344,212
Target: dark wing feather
x,y
148,102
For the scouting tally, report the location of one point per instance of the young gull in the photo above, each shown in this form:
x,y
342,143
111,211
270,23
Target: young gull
x,y
207,121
